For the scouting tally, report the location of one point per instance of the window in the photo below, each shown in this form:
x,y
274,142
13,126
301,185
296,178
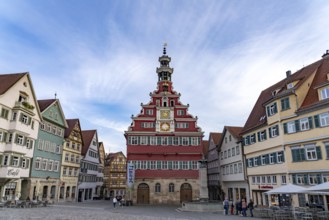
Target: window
x,y
324,119
305,123
274,179
175,165
194,141
152,165
225,154
143,140
15,161
157,187
182,125
72,158
263,160
274,131
149,111
233,151
147,124
153,140
134,140
58,149
271,109
325,93
253,180
310,152
14,116
44,164
64,171
235,168
175,141
29,143
237,149
312,179
285,104
231,169
272,158
263,179
256,161
184,165
50,165
300,179
4,113
185,141
261,135
37,163
250,162
20,139
229,152
240,167
164,140
252,139
67,157
194,165
269,180
24,119
180,112
171,187
55,168
143,165
280,158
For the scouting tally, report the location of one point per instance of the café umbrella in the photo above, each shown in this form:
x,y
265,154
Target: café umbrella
x,y
287,189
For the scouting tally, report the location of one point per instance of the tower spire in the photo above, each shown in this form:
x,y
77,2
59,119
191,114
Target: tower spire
x,y
164,48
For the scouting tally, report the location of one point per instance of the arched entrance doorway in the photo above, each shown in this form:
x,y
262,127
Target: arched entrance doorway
x,y
143,194
185,192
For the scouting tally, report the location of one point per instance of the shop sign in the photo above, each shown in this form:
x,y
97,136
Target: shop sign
x,y
265,187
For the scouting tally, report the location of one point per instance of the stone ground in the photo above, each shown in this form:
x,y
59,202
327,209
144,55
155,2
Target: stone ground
x,y
103,210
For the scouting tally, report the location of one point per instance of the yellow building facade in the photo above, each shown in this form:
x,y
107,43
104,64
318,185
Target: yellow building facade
x,y
286,137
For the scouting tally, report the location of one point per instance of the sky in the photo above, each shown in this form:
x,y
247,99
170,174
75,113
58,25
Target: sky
x,y
100,57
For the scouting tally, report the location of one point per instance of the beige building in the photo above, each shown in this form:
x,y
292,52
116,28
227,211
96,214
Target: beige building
x,y
70,166
286,137
116,173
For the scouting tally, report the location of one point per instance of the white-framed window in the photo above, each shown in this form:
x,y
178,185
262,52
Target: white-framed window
x,y
149,111
75,172
253,180
324,119
304,124
67,157
29,143
269,179
262,135
70,171
44,164
194,141
171,187
235,168
46,146
175,141
58,149
15,161
50,165
143,140
175,165
48,127
280,157
64,171
153,140
134,140
233,151
229,152
231,168
252,139
271,157
250,162
240,167
165,165
194,165
180,112
20,139
152,165
184,165
182,125
77,159
56,165
24,119
272,109
164,140
147,124
283,179
263,160
325,93
274,179
237,149
312,179
157,187
256,161
310,151
185,141
143,165
258,179
300,179
225,154
37,163
227,170
72,158
263,179
14,116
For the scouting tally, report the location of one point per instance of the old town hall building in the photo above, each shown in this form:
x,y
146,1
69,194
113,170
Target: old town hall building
x,y
165,144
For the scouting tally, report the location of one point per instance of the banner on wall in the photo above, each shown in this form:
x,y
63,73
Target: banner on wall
x,y
130,175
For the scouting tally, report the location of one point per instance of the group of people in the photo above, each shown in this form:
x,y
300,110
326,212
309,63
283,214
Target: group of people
x,y
240,207
118,199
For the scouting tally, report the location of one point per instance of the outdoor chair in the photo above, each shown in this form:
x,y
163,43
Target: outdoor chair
x,y
307,216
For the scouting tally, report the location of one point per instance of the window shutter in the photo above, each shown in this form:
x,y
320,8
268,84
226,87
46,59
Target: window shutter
x,y
1,159
16,138
258,136
21,117
277,130
268,110
283,106
294,181
318,177
265,136
310,121
267,159
302,154
327,151
4,138
29,120
285,129
275,108
318,153
24,141
275,157
283,160
170,165
316,121
11,160
306,179
297,125
158,140
259,162
270,132
20,161
27,163
138,140
170,141
294,153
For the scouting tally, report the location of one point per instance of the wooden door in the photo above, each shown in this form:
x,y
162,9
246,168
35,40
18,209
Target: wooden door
x,y
185,193
143,194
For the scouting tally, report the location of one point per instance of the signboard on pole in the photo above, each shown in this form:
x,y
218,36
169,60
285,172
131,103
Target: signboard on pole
x,y
130,175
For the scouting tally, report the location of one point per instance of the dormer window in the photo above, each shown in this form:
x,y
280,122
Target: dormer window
x,y
272,109
290,85
324,93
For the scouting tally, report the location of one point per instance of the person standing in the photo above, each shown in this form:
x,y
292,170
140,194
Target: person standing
x,y
244,207
226,205
114,201
237,207
251,207
232,207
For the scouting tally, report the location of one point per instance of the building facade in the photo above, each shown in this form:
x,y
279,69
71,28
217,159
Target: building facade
x,y
286,136
100,175
47,156
232,168
19,125
214,188
117,174
165,144
70,162
88,177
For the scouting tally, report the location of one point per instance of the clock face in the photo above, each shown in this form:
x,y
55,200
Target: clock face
x,y
165,126
164,114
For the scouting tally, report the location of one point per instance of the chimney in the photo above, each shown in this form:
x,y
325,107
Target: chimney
x,y
326,54
288,73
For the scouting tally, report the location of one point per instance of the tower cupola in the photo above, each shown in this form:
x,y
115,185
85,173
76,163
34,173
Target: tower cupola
x,y
164,71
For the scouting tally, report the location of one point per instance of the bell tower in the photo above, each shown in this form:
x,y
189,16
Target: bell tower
x,y
164,72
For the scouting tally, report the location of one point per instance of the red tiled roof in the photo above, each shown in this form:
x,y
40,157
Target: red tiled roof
x,y
320,67
8,80
235,131
215,136
43,104
71,123
87,137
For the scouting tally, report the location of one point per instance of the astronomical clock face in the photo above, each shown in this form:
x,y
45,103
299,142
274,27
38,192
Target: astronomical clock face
x,y
164,114
164,126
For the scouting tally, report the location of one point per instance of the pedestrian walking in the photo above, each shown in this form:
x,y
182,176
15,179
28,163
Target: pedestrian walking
x,y
114,201
226,205
244,207
251,207
237,207
232,208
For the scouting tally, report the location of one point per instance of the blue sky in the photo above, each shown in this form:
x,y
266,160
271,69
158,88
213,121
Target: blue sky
x,y
100,56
